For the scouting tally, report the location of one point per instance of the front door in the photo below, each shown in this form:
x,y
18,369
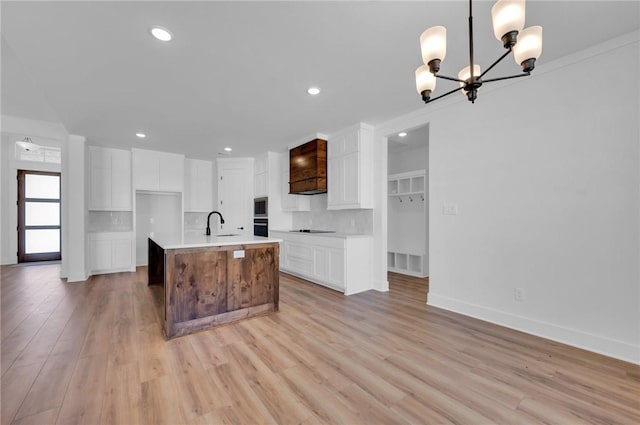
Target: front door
x,y
38,216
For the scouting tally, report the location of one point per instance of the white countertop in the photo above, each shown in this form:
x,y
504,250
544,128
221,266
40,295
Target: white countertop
x,y
324,235
191,240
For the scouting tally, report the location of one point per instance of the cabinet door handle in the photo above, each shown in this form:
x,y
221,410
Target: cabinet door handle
x,y
240,228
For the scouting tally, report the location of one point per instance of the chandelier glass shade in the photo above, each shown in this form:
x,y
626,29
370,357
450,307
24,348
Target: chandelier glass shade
x,y
508,18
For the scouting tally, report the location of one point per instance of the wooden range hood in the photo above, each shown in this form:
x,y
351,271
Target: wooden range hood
x,y
308,168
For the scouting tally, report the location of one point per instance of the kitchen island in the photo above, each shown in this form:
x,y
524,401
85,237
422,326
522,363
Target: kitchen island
x,y
213,280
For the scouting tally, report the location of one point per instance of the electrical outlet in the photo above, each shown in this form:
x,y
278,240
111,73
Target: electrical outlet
x,y
449,209
518,294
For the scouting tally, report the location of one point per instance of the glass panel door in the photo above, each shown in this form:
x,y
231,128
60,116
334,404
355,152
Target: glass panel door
x,y
38,216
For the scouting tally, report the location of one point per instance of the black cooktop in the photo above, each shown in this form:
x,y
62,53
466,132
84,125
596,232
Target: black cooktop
x,y
313,231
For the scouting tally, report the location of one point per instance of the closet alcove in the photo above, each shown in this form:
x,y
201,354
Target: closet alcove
x,y
408,203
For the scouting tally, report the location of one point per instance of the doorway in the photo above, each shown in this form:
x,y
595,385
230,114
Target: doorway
x,y
234,182
408,206
39,230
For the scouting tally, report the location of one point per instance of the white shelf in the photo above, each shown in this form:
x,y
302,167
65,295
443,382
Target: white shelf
x,y
407,226
404,185
407,263
412,183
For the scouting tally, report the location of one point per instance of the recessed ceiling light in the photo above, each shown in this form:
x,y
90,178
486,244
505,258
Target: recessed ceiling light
x,y
141,135
228,149
403,134
161,34
313,90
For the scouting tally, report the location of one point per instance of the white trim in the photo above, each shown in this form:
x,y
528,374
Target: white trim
x,y
77,277
381,285
596,343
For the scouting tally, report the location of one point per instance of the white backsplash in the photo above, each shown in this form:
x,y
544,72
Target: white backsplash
x,y
110,221
343,221
195,221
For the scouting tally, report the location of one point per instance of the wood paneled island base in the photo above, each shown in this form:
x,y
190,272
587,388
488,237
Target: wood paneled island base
x,y
207,286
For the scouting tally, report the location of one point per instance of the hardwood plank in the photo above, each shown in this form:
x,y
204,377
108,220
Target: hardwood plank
x,y
208,349
94,352
16,383
546,412
158,402
321,400
7,358
49,389
414,411
154,357
83,398
122,395
247,406
43,418
100,326
198,395
287,408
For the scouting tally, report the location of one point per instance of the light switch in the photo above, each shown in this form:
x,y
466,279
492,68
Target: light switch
x,y
449,209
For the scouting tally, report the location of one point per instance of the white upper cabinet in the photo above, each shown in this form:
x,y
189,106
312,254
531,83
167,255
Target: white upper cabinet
x,y
198,185
291,202
110,174
158,171
261,176
350,168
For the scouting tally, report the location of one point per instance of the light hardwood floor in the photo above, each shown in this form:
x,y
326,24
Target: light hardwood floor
x,y
92,353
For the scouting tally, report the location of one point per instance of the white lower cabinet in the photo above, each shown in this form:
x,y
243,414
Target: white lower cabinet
x,y
111,252
342,263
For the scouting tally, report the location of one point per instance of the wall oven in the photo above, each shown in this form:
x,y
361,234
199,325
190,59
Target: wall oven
x,y
261,227
260,207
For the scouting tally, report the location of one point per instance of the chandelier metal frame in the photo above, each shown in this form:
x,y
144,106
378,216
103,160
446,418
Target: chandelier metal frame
x,y
473,83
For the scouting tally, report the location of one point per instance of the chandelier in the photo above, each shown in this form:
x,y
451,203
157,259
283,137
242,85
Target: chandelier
x,y
508,27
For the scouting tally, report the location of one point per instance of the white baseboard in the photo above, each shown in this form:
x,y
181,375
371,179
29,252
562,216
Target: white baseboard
x,y
596,343
117,270
381,285
77,277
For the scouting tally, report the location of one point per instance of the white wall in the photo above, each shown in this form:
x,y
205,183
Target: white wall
x,y
157,214
278,219
75,214
548,194
344,221
13,129
403,160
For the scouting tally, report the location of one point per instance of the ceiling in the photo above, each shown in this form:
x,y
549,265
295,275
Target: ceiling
x,y
236,73
415,138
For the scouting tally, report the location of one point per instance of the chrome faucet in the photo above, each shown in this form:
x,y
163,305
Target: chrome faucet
x,y
208,233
